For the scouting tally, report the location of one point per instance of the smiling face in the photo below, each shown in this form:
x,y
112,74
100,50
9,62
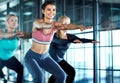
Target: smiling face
x,y
49,12
12,22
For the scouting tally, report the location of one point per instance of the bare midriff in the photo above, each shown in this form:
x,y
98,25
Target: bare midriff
x,y
40,48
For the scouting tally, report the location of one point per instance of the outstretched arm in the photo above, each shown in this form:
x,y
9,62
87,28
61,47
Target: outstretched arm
x,y
38,24
75,39
84,40
73,26
6,35
24,35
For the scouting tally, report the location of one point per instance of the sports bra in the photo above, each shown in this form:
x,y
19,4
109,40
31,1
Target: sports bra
x,y
40,37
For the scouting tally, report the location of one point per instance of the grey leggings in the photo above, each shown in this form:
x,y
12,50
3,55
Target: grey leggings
x,y
36,62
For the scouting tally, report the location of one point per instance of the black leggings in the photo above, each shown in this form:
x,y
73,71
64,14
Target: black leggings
x,y
70,71
13,64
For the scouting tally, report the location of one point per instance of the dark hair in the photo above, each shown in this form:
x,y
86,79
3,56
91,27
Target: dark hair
x,y
47,3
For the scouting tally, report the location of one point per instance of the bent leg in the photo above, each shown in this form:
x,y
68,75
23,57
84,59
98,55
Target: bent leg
x,y
51,66
15,65
69,70
35,62
35,70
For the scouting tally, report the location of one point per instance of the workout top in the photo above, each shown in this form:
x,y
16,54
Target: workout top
x,y
8,47
40,37
58,46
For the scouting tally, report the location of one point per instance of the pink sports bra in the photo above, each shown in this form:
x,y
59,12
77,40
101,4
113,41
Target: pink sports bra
x,y
40,37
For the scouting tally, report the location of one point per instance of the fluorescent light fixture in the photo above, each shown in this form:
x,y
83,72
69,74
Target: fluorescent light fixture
x,y
14,3
3,7
2,18
27,13
29,3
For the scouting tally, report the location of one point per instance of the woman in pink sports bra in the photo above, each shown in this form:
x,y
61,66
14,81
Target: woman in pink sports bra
x,y
38,58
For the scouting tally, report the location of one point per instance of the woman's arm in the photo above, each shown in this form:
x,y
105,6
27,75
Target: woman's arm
x,y
40,24
73,26
24,35
84,40
60,26
74,39
6,35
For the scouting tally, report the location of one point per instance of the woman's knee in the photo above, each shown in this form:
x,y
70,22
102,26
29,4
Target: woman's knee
x,y
62,76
